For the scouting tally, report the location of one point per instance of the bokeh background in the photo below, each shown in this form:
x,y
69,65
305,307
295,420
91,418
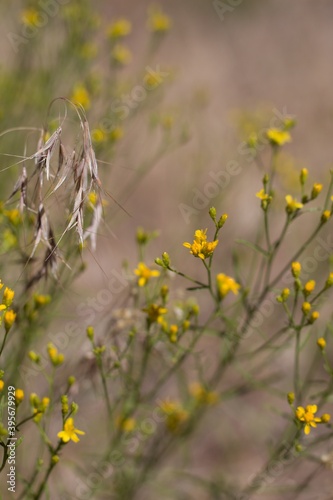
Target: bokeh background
x,y
226,75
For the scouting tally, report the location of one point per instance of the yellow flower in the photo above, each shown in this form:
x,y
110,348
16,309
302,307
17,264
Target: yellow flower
x,y
120,28
296,269
225,284
284,295
55,358
316,190
80,96
69,432
202,395
144,274
176,416
34,357
39,406
291,397
321,342
9,240
30,17
9,318
314,316
326,215
127,424
262,195
303,175
98,135
201,247
173,333
8,296
309,287
329,281
88,50
1,285
292,204
14,216
155,312
306,307
278,137
2,384
307,416
265,198
41,300
19,396
121,55
116,134
325,418
158,22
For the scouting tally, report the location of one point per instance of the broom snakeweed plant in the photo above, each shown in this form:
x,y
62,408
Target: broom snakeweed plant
x,y
242,349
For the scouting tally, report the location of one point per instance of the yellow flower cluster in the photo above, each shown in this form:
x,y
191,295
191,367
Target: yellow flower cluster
x,y
292,204
81,96
201,247
158,21
175,414
307,417
119,29
30,17
69,432
264,197
278,137
145,274
55,357
9,315
202,395
226,284
155,313
121,55
126,424
39,406
19,396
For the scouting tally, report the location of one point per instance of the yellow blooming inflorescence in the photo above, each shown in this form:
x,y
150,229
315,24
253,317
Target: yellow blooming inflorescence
x,y
155,313
303,176
39,406
321,343
116,133
176,416
13,216
226,284
30,17
292,204
158,21
19,396
80,96
126,424
307,417
296,269
283,297
145,274
9,315
119,28
316,189
306,307
69,432
202,395
309,287
121,55
55,357
200,247
278,137
264,197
